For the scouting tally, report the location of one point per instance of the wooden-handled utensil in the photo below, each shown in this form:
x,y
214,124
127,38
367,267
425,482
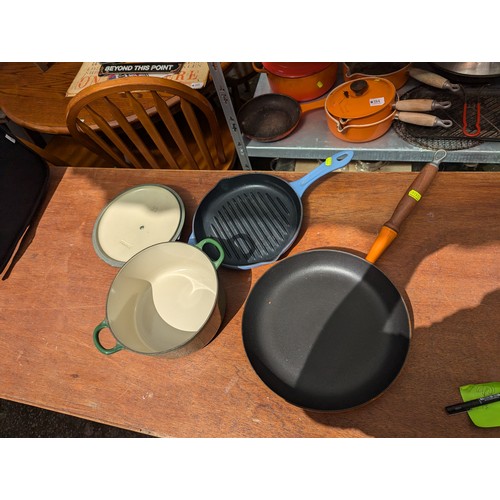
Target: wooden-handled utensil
x,y
434,80
413,195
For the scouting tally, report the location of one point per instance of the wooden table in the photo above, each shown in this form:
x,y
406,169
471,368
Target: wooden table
x,y
36,99
446,262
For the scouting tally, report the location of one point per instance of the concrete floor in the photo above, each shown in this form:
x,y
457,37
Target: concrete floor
x,y
22,421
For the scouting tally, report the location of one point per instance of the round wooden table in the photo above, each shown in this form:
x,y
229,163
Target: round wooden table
x,y
36,99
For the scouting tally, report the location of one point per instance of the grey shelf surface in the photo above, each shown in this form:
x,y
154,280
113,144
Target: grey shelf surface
x,y
312,139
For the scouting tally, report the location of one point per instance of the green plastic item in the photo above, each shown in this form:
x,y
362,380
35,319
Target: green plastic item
x,y
487,415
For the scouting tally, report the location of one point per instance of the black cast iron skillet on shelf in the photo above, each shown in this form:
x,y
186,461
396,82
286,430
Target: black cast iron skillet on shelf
x,y
327,330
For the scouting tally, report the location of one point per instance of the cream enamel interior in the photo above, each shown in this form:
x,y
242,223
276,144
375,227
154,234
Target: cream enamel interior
x,y
137,219
162,297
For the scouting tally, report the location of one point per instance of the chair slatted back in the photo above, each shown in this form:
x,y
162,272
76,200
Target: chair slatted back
x,y
151,122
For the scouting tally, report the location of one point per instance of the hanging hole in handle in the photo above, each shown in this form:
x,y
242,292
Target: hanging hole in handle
x,y
439,156
443,105
454,87
340,157
444,123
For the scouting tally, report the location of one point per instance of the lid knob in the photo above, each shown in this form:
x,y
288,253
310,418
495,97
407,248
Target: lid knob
x,y
359,87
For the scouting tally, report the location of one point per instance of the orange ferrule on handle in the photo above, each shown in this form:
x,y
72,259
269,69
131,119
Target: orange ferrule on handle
x,y
385,237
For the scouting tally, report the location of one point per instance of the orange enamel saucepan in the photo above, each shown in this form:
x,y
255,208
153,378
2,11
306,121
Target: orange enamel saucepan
x,y
363,110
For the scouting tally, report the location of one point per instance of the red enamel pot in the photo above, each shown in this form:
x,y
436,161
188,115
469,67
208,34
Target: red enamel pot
x,y
302,81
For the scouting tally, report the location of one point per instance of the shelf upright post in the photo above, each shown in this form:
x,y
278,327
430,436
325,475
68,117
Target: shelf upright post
x,y
229,113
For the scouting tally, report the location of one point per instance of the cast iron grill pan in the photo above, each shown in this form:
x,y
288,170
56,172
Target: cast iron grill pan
x,y
253,216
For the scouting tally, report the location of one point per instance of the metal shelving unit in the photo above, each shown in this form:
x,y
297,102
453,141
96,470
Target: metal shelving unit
x,y
313,140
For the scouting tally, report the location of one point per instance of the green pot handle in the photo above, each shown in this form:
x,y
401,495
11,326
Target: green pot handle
x,y
217,245
97,343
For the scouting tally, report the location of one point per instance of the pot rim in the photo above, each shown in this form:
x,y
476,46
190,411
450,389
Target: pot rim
x,y
276,70
383,75
342,129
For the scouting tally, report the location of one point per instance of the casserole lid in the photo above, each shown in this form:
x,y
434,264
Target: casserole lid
x,y
136,219
361,98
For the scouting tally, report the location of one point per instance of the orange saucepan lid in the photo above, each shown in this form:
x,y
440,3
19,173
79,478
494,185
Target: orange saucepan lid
x,y
361,98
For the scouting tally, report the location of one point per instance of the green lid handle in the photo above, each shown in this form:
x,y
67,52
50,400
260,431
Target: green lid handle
x,y
97,343
217,245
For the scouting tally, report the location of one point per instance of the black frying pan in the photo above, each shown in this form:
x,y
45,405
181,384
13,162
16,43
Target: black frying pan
x,y
327,330
272,117
255,216
269,117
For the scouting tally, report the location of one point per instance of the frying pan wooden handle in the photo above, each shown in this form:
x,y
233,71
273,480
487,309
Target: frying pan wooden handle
x,y
422,119
421,105
433,80
413,194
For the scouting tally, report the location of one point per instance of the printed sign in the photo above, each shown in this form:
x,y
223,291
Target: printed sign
x,y
138,68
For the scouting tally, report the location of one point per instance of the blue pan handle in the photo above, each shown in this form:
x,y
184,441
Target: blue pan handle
x,y
332,163
192,239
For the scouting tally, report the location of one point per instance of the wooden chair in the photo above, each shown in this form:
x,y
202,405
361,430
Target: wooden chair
x,y
59,150
150,122
65,151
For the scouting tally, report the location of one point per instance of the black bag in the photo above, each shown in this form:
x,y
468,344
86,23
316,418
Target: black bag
x,y
23,183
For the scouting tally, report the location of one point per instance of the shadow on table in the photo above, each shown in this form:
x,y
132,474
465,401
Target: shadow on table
x,y
451,353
